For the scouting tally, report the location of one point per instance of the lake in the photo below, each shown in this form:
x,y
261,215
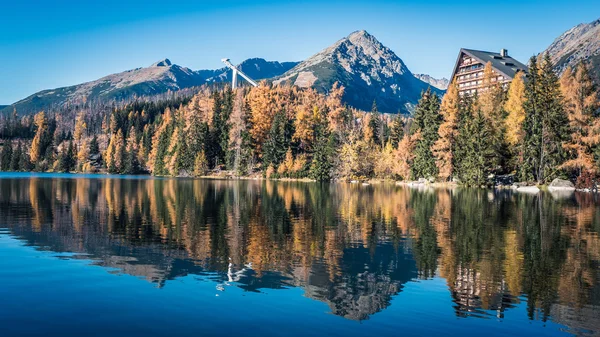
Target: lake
x,y
140,256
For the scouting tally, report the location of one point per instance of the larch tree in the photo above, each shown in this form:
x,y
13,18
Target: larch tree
x,y
80,128
581,102
490,99
515,112
42,139
443,148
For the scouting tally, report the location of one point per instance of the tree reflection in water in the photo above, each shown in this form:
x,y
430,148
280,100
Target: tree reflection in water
x,y
353,247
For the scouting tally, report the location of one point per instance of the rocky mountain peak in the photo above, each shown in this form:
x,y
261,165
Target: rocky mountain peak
x,y
162,63
578,44
366,68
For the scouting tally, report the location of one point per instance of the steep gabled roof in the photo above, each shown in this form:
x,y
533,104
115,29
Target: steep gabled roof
x,y
506,66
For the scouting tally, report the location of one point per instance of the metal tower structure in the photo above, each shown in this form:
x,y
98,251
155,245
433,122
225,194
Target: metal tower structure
x,y
237,72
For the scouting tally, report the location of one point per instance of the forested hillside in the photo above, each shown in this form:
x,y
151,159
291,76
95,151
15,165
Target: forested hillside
x,y
538,129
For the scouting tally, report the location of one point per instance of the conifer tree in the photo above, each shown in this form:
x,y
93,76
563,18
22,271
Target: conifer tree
x,y
6,156
377,126
545,122
94,148
397,131
321,167
43,138
131,165
443,148
16,158
426,121
516,113
479,152
277,144
200,164
581,102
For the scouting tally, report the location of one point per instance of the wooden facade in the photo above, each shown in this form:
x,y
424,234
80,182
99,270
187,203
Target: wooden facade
x,y
469,69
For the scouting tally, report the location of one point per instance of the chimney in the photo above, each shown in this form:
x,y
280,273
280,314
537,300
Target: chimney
x,y
504,52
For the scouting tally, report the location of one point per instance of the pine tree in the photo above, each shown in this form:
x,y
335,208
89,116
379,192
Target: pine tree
x,y
277,144
479,151
16,158
397,131
321,167
427,120
200,165
6,156
94,148
546,124
131,165
443,148
377,126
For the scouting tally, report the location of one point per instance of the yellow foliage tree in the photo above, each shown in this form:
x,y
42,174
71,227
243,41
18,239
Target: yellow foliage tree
x,y
443,148
516,113
40,139
406,154
581,103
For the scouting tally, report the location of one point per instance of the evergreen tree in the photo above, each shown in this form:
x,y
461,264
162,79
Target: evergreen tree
x,y
377,126
479,152
16,158
94,148
277,143
427,120
6,156
200,164
397,131
321,167
546,124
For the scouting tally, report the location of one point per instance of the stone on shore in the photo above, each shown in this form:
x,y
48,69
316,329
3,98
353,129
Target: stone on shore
x,y
561,184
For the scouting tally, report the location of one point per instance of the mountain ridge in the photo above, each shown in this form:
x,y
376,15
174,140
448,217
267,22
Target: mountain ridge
x,y
160,77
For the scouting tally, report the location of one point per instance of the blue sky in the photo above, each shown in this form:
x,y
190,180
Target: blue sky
x,y
49,44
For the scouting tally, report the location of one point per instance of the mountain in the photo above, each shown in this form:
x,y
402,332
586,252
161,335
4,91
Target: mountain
x,y
580,43
366,68
441,83
256,68
158,78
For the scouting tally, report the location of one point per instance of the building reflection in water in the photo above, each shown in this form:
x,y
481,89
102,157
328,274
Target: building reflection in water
x,y
352,247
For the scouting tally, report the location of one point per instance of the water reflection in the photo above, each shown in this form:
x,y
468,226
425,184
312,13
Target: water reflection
x,y
352,247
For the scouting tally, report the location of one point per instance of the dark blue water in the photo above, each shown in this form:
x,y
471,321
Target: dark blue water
x,y
138,257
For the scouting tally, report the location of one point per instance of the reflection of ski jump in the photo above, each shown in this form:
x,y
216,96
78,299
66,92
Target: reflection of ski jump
x,y
233,276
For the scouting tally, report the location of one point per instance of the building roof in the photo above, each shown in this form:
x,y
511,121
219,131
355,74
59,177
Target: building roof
x,y
506,65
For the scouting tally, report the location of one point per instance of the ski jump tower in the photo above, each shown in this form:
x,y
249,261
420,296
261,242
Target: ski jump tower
x,y
237,72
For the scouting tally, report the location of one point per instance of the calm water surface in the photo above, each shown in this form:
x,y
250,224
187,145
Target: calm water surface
x,y
94,255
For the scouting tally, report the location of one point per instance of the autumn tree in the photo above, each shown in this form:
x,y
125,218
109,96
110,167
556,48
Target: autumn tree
x,y
581,102
42,141
443,148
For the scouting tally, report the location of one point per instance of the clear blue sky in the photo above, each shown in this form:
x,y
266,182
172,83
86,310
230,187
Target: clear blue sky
x,y
49,44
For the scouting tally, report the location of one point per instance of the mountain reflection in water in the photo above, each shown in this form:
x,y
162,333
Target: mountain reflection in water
x,y
351,247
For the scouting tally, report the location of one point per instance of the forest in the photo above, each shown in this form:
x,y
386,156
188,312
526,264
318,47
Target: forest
x,y
540,127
